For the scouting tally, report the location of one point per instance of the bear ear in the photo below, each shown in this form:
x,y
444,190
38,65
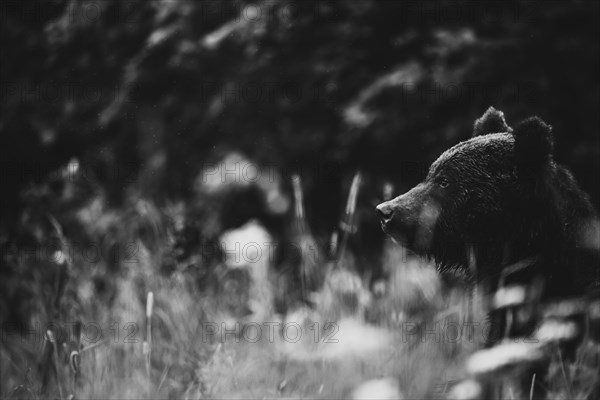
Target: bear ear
x,y
491,122
533,142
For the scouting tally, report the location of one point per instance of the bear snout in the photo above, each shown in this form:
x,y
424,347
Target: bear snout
x,y
400,217
385,212
395,220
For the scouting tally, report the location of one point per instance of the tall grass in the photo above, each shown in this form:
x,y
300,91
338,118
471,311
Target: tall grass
x,y
163,335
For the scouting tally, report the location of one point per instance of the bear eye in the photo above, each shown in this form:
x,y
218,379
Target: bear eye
x,y
443,183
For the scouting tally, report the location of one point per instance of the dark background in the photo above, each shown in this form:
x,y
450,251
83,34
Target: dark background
x,y
383,86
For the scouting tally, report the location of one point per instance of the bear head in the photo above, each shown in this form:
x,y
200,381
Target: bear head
x,y
485,191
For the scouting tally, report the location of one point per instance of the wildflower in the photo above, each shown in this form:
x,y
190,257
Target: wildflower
x,y
466,390
381,389
557,331
510,296
503,357
565,308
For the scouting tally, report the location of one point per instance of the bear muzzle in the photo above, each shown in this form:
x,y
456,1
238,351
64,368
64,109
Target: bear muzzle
x,y
385,212
395,221
410,218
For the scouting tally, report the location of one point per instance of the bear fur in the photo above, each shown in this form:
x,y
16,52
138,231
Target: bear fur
x,y
495,200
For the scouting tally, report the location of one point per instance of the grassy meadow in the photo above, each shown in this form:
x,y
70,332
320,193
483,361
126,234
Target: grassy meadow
x,y
144,319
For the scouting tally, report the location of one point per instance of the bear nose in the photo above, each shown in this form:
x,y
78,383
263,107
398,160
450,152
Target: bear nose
x,y
384,212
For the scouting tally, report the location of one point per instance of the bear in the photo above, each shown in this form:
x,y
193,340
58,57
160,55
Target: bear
x,y
499,199
498,209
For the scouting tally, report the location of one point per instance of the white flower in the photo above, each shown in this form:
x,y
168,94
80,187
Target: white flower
x,y
465,390
557,331
503,356
510,296
380,389
565,308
